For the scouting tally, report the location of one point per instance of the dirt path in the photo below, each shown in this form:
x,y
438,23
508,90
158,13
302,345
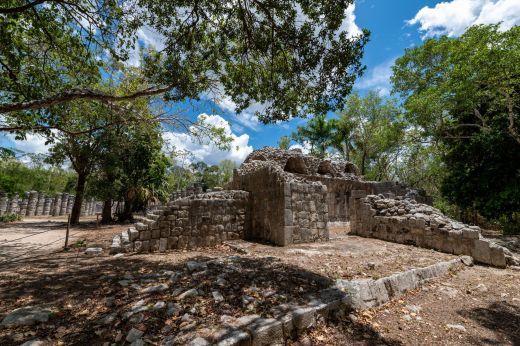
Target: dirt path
x,y
36,237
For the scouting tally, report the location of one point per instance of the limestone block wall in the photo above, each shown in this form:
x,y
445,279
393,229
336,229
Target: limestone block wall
x,y
306,212
408,222
190,222
267,200
339,191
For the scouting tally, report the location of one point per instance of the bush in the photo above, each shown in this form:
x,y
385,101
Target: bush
x,y
10,217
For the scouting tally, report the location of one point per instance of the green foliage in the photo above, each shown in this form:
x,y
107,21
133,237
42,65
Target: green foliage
x,y
284,142
213,176
368,131
18,177
376,131
259,51
317,133
464,93
10,217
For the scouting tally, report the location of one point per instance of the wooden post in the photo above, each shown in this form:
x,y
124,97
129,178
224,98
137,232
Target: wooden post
x,y
97,220
67,235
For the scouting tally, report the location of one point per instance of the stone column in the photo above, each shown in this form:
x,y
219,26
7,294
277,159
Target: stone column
x,y
12,205
83,210
56,205
3,203
23,204
47,206
64,201
70,203
31,203
40,204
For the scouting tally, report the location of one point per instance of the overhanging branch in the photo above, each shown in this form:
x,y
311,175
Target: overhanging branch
x,y
78,94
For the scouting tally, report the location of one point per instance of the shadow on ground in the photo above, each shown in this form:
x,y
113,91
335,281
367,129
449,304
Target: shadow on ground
x,y
94,300
501,318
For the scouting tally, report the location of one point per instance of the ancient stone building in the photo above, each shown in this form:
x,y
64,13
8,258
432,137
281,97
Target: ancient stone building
x,y
285,197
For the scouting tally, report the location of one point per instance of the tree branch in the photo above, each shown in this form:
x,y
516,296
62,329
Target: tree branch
x,y
21,8
78,94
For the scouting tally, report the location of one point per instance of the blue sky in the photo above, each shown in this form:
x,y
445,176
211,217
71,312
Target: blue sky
x,y
394,25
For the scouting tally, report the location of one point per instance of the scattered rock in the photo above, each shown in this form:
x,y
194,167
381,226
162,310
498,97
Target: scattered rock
x,y
26,315
173,309
159,305
413,308
458,327
34,342
407,317
133,335
117,255
199,342
189,293
196,266
94,251
217,296
137,318
155,289
124,283
449,291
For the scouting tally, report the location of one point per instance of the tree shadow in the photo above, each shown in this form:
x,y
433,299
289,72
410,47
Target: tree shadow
x,y
95,299
502,318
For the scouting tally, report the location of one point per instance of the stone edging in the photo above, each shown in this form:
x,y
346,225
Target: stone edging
x,y
346,295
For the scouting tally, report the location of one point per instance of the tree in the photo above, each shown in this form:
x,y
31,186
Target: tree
x,y
317,133
290,55
373,128
284,142
465,94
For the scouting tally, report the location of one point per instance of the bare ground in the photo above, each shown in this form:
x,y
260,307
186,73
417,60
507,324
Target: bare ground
x,y
82,291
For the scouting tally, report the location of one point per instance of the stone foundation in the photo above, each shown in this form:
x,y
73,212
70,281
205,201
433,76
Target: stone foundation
x,y
407,222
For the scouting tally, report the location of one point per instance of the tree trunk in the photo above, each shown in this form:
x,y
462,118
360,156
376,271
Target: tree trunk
x,y
127,211
78,201
106,214
363,159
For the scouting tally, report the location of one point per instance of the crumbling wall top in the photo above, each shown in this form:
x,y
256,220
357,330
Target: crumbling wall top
x,y
293,162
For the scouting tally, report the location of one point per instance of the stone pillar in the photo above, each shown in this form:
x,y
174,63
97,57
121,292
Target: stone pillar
x,y
23,204
70,203
40,204
64,201
47,206
12,205
3,203
56,205
31,203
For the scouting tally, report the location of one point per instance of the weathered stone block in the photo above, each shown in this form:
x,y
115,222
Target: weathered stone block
x,y
145,235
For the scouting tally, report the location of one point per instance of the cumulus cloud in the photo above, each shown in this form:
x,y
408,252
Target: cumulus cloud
x,y
33,144
305,147
204,150
349,22
378,78
452,18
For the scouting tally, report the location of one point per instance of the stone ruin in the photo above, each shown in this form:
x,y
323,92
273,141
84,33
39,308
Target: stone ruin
x,y
285,197
34,203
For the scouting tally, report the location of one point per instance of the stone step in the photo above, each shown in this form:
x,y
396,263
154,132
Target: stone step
x,y
152,216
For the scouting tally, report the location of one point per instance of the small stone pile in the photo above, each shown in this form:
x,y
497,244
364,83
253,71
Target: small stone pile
x,y
405,221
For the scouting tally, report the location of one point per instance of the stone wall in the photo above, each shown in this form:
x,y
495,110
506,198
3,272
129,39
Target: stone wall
x,y
35,203
185,223
406,221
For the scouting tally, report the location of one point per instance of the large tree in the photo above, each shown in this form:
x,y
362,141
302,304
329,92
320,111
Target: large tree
x,y
465,93
291,56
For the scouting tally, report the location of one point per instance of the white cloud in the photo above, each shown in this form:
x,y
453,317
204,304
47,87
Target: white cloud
x,y
206,151
378,78
349,22
454,17
33,144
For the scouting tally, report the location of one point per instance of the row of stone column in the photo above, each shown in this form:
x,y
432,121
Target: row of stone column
x,y
35,203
